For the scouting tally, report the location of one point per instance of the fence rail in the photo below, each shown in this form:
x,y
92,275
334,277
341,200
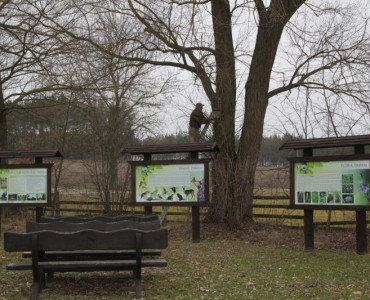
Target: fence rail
x,y
265,209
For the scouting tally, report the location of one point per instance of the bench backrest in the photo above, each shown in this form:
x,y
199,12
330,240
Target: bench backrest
x,y
63,226
86,240
110,219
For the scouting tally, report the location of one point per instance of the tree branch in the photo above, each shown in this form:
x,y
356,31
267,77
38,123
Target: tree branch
x,y
260,7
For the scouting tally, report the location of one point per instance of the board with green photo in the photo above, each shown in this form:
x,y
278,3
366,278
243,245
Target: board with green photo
x,y
342,183
27,185
176,183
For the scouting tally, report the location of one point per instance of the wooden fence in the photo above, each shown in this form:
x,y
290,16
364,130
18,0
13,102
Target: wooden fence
x,y
265,209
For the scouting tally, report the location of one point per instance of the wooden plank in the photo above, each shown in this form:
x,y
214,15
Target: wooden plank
x,y
335,223
77,211
272,216
271,206
78,266
85,240
171,148
30,153
19,266
262,197
346,141
63,226
89,254
87,266
103,218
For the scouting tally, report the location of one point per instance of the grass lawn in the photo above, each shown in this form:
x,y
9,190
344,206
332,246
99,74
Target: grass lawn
x,y
222,269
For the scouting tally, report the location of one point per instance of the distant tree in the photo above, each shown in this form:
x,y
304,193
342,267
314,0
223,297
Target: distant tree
x,y
27,47
270,155
78,94
179,138
119,102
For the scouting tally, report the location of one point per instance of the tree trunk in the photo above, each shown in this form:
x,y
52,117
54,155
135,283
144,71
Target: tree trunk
x,y
233,175
225,101
3,122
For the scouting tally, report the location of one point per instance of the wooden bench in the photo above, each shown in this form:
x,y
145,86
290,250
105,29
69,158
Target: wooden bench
x,y
126,239
62,226
103,218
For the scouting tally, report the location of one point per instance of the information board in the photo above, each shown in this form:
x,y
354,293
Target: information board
x,y
342,183
25,184
178,183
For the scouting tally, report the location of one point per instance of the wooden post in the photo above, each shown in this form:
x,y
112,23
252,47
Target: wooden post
x,y
361,229
308,152
359,149
361,232
148,210
195,221
309,243
39,209
194,155
1,213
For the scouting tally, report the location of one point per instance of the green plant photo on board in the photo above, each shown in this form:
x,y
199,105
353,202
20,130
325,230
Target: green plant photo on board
x,y
343,183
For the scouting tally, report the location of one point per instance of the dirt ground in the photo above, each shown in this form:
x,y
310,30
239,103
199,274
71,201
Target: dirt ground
x,y
338,239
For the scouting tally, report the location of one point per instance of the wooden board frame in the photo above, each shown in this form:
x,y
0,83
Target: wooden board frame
x,y
293,160
48,167
205,162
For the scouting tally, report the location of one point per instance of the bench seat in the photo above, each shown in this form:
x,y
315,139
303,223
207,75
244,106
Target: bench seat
x,y
104,218
87,266
91,254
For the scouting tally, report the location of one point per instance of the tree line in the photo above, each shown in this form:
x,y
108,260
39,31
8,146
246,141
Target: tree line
x,y
53,127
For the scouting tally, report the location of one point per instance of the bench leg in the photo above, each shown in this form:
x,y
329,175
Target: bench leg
x,y
42,281
50,276
35,290
138,288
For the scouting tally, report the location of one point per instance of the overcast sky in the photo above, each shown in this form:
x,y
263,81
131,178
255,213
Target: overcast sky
x,y
282,115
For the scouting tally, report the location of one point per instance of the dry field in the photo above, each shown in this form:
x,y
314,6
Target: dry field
x,y
75,173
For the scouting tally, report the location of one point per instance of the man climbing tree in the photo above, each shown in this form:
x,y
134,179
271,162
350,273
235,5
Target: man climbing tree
x,y
197,119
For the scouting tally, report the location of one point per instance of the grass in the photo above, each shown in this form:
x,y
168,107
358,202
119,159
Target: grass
x,y
222,269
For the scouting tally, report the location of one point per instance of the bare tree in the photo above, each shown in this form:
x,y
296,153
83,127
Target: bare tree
x,y
198,37
328,108
119,102
28,47
179,28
